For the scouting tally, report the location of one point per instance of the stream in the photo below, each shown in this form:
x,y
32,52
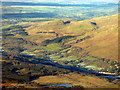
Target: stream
x,y
59,85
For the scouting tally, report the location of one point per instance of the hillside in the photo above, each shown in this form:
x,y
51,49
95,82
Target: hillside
x,y
60,49
103,33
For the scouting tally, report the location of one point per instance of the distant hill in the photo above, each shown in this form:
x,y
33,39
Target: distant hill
x,y
78,4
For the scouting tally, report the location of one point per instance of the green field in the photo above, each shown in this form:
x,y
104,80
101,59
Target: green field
x,y
28,13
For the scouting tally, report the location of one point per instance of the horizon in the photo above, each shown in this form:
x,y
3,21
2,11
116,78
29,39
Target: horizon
x,y
69,1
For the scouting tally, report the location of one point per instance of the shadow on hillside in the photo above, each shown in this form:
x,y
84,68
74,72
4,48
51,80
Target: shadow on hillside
x,y
51,63
93,23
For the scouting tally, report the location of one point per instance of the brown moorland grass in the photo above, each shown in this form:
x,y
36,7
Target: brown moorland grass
x,y
76,80
103,41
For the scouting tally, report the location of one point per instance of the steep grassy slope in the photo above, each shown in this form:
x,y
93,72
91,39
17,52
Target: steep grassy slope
x,y
104,42
107,38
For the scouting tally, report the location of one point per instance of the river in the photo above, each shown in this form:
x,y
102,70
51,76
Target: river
x,y
59,85
71,68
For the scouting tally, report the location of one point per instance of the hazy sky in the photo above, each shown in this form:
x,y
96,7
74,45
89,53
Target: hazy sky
x,y
62,0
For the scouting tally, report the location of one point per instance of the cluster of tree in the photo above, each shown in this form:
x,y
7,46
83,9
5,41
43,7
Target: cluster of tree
x,y
16,29
57,40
